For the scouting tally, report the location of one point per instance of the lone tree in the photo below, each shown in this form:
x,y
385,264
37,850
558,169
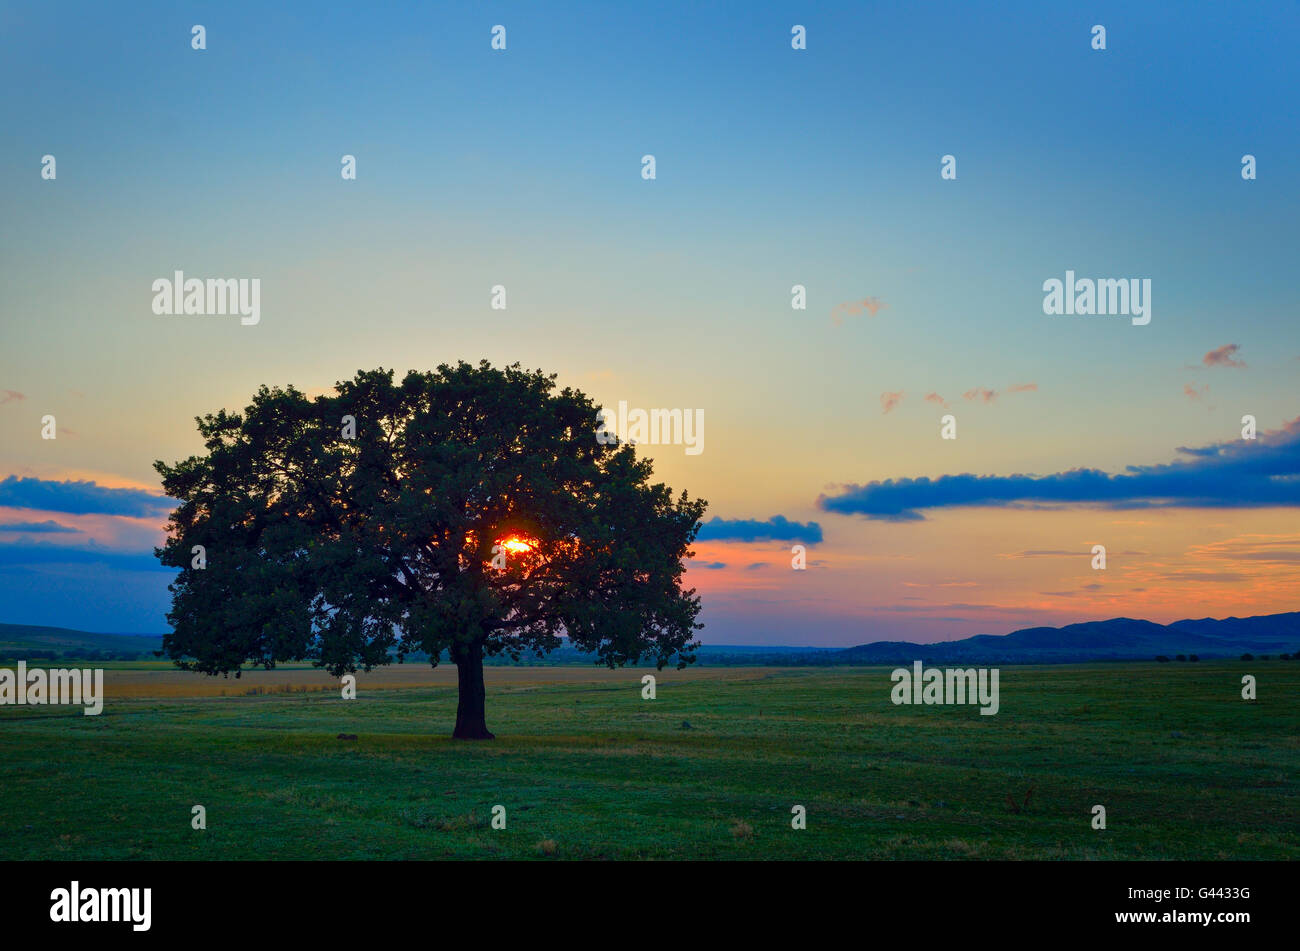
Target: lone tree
x,y
470,510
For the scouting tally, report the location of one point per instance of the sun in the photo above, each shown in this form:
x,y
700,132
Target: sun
x,y
515,543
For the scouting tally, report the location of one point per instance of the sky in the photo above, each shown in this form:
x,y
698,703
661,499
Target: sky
x,y
774,167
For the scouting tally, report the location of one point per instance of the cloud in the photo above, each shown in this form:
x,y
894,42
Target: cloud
x,y
45,553
1268,549
982,393
986,395
776,528
1223,356
81,498
1215,576
889,400
755,566
9,396
712,565
1193,394
1061,553
870,304
47,526
1236,474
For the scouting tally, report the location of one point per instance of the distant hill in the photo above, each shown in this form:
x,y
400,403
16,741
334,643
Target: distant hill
x,y
1119,638
26,638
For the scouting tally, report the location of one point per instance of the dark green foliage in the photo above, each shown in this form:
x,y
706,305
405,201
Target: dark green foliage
x,y
326,548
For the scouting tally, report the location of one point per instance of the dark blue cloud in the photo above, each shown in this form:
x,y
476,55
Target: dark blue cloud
x,y
48,526
775,529
45,553
1236,474
713,565
81,498
84,596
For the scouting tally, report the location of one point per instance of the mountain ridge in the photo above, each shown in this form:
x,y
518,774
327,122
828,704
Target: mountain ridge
x,y
1112,639
1119,638
28,637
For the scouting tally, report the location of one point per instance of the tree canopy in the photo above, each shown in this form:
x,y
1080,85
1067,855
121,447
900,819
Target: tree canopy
x,y
470,510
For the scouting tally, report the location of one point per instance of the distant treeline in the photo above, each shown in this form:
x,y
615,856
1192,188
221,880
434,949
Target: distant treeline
x,y
563,657
705,657
719,657
14,656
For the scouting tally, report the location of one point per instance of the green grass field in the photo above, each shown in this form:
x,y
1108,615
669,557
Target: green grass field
x,y
587,769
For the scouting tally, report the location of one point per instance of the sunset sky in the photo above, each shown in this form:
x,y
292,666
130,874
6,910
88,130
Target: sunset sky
x,y
775,167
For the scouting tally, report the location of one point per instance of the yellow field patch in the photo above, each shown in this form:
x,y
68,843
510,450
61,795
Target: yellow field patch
x,y
126,682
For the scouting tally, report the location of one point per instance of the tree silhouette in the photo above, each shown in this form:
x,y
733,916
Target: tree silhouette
x,y
471,510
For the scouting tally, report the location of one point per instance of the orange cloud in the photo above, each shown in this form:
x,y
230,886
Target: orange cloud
x,y
870,304
1223,356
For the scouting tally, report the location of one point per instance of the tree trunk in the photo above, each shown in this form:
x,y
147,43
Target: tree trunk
x,y
471,715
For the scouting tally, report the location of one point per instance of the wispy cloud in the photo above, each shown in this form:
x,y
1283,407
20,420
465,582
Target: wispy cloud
x,y
1268,549
1224,356
45,553
49,526
869,304
889,400
1060,553
981,393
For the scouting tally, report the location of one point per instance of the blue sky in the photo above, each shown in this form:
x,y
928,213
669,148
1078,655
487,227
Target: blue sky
x,y
774,167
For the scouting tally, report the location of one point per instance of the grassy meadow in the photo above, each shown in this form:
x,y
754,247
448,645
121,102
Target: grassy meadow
x,y
587,769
